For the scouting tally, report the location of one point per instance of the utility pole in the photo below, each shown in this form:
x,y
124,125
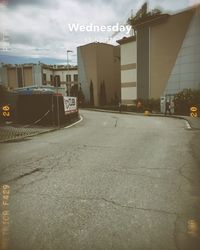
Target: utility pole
x,y
57,102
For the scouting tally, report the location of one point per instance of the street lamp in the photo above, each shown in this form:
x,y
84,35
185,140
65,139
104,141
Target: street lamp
x,y
68,51
57,103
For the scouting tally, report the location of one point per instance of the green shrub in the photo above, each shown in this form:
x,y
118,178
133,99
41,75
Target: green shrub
x,y
151,105
185,99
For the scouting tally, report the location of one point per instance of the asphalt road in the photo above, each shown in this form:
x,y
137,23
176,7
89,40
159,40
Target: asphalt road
x,y
113,181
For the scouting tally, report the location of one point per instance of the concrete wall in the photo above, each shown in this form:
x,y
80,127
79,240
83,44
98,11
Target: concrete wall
x,y
143,62
117,73
12,77
128,53
186,70
98,62
167,58
28,76
3,75
87,70
128,56
108,70
37,75
166,40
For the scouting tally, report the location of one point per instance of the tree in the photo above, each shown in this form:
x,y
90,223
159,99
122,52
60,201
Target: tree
x,y
104,93
143,15
81,97
91,93
103,99
74,90
116,99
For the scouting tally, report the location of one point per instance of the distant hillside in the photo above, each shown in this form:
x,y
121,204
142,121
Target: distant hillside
x,y
8,59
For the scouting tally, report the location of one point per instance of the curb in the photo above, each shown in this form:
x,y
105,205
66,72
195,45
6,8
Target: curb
x,y
112,111
26,136
186,118
41,132
76,122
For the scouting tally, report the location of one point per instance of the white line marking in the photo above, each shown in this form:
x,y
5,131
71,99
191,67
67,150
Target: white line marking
x,y
188,125
74,123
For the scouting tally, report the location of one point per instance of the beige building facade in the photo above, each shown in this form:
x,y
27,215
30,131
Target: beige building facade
x,y
167,54
128,50
166,40
18,76
99,73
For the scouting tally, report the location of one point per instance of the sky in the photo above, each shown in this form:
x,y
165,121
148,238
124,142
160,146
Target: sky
x,y
38,30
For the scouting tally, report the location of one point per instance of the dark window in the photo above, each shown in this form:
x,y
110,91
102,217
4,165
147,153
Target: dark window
x,y
19,77
75,78
57,81
68,78
51,79
44,82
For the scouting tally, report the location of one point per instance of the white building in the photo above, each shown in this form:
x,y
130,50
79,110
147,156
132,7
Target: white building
x,y
24,75
128,70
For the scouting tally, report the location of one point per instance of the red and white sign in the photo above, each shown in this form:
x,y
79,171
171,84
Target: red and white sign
x,y
70,104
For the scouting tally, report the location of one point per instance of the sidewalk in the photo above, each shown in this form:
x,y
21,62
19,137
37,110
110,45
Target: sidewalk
x,y
16,132
194,122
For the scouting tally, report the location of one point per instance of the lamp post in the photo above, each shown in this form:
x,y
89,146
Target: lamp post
x,y
57,103
68,51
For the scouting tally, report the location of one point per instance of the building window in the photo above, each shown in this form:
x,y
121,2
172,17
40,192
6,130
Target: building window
x,y
68,78
51,79
19,77
44,82
57,81
75,78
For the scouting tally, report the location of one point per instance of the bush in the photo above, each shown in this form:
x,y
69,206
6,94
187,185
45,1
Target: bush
x,y
185,99
151,105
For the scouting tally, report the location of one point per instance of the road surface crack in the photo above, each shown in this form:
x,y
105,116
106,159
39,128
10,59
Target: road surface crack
x,y
138,208
175,233
24,164
107,201
24,175
128,172
183,175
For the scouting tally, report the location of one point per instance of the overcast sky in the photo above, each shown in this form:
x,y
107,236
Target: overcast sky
x,y
39,28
